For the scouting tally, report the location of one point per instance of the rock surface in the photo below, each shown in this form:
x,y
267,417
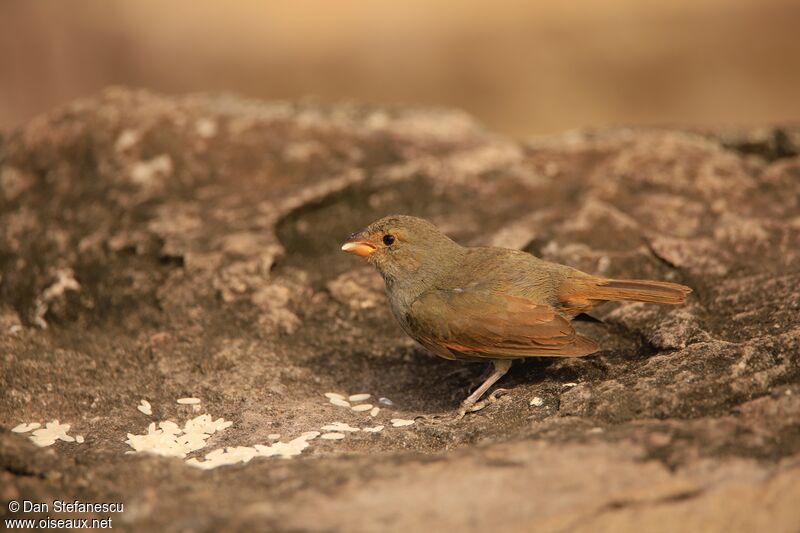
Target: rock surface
x,y
159,248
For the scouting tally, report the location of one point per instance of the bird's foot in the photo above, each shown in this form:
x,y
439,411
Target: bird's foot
x,y
467,406
436,418
473,407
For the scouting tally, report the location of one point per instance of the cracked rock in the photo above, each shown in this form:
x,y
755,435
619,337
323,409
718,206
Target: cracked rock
x,y
189,246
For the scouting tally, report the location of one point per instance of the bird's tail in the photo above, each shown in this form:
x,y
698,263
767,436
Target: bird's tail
x,y
583,292
638,290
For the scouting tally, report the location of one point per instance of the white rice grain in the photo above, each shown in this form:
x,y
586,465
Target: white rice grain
x,y
243,454
169,439
332,436
375,429
359,397
171,428
42,439
50,433
400,422
79,439
24,428
340,403
375,411
537,401
188,401
339,426
362,407
334,396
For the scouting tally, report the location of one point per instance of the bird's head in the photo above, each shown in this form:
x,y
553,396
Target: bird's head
x,y
404,248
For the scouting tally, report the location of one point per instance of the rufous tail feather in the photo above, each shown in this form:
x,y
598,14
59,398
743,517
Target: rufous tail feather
x,y
638,290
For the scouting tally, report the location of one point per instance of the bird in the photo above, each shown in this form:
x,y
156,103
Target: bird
x,y
488,304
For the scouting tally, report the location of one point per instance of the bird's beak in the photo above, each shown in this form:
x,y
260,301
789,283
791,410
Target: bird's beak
x,y
357,245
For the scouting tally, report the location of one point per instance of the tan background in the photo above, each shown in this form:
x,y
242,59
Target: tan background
x,y
522,67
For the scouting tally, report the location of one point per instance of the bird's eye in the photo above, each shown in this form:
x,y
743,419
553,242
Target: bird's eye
x,y
388,240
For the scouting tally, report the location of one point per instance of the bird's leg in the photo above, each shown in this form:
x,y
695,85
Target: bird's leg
x,y
472,404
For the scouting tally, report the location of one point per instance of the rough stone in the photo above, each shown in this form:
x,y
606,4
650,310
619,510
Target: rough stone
x,y
190,247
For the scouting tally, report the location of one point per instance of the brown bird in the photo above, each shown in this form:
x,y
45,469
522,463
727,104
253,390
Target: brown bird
x,y
488,304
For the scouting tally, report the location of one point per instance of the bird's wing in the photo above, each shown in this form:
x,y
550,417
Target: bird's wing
x,y
493,325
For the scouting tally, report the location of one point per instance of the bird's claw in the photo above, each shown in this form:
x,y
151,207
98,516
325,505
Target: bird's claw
x,y
466,407
496,394
477,406
433,419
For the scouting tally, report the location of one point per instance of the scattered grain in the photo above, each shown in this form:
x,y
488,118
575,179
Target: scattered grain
x,y
375,411
362,407
334,396
50,433
359,397
171,440
400,422
537,401
340,403
339,426
332,436
24,428
145,407
188,401
375,429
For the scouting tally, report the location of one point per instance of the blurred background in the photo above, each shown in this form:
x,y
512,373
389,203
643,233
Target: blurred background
x,y
521,67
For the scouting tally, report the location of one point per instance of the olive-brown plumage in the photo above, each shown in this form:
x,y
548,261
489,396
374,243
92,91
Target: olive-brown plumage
x,y
490,304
